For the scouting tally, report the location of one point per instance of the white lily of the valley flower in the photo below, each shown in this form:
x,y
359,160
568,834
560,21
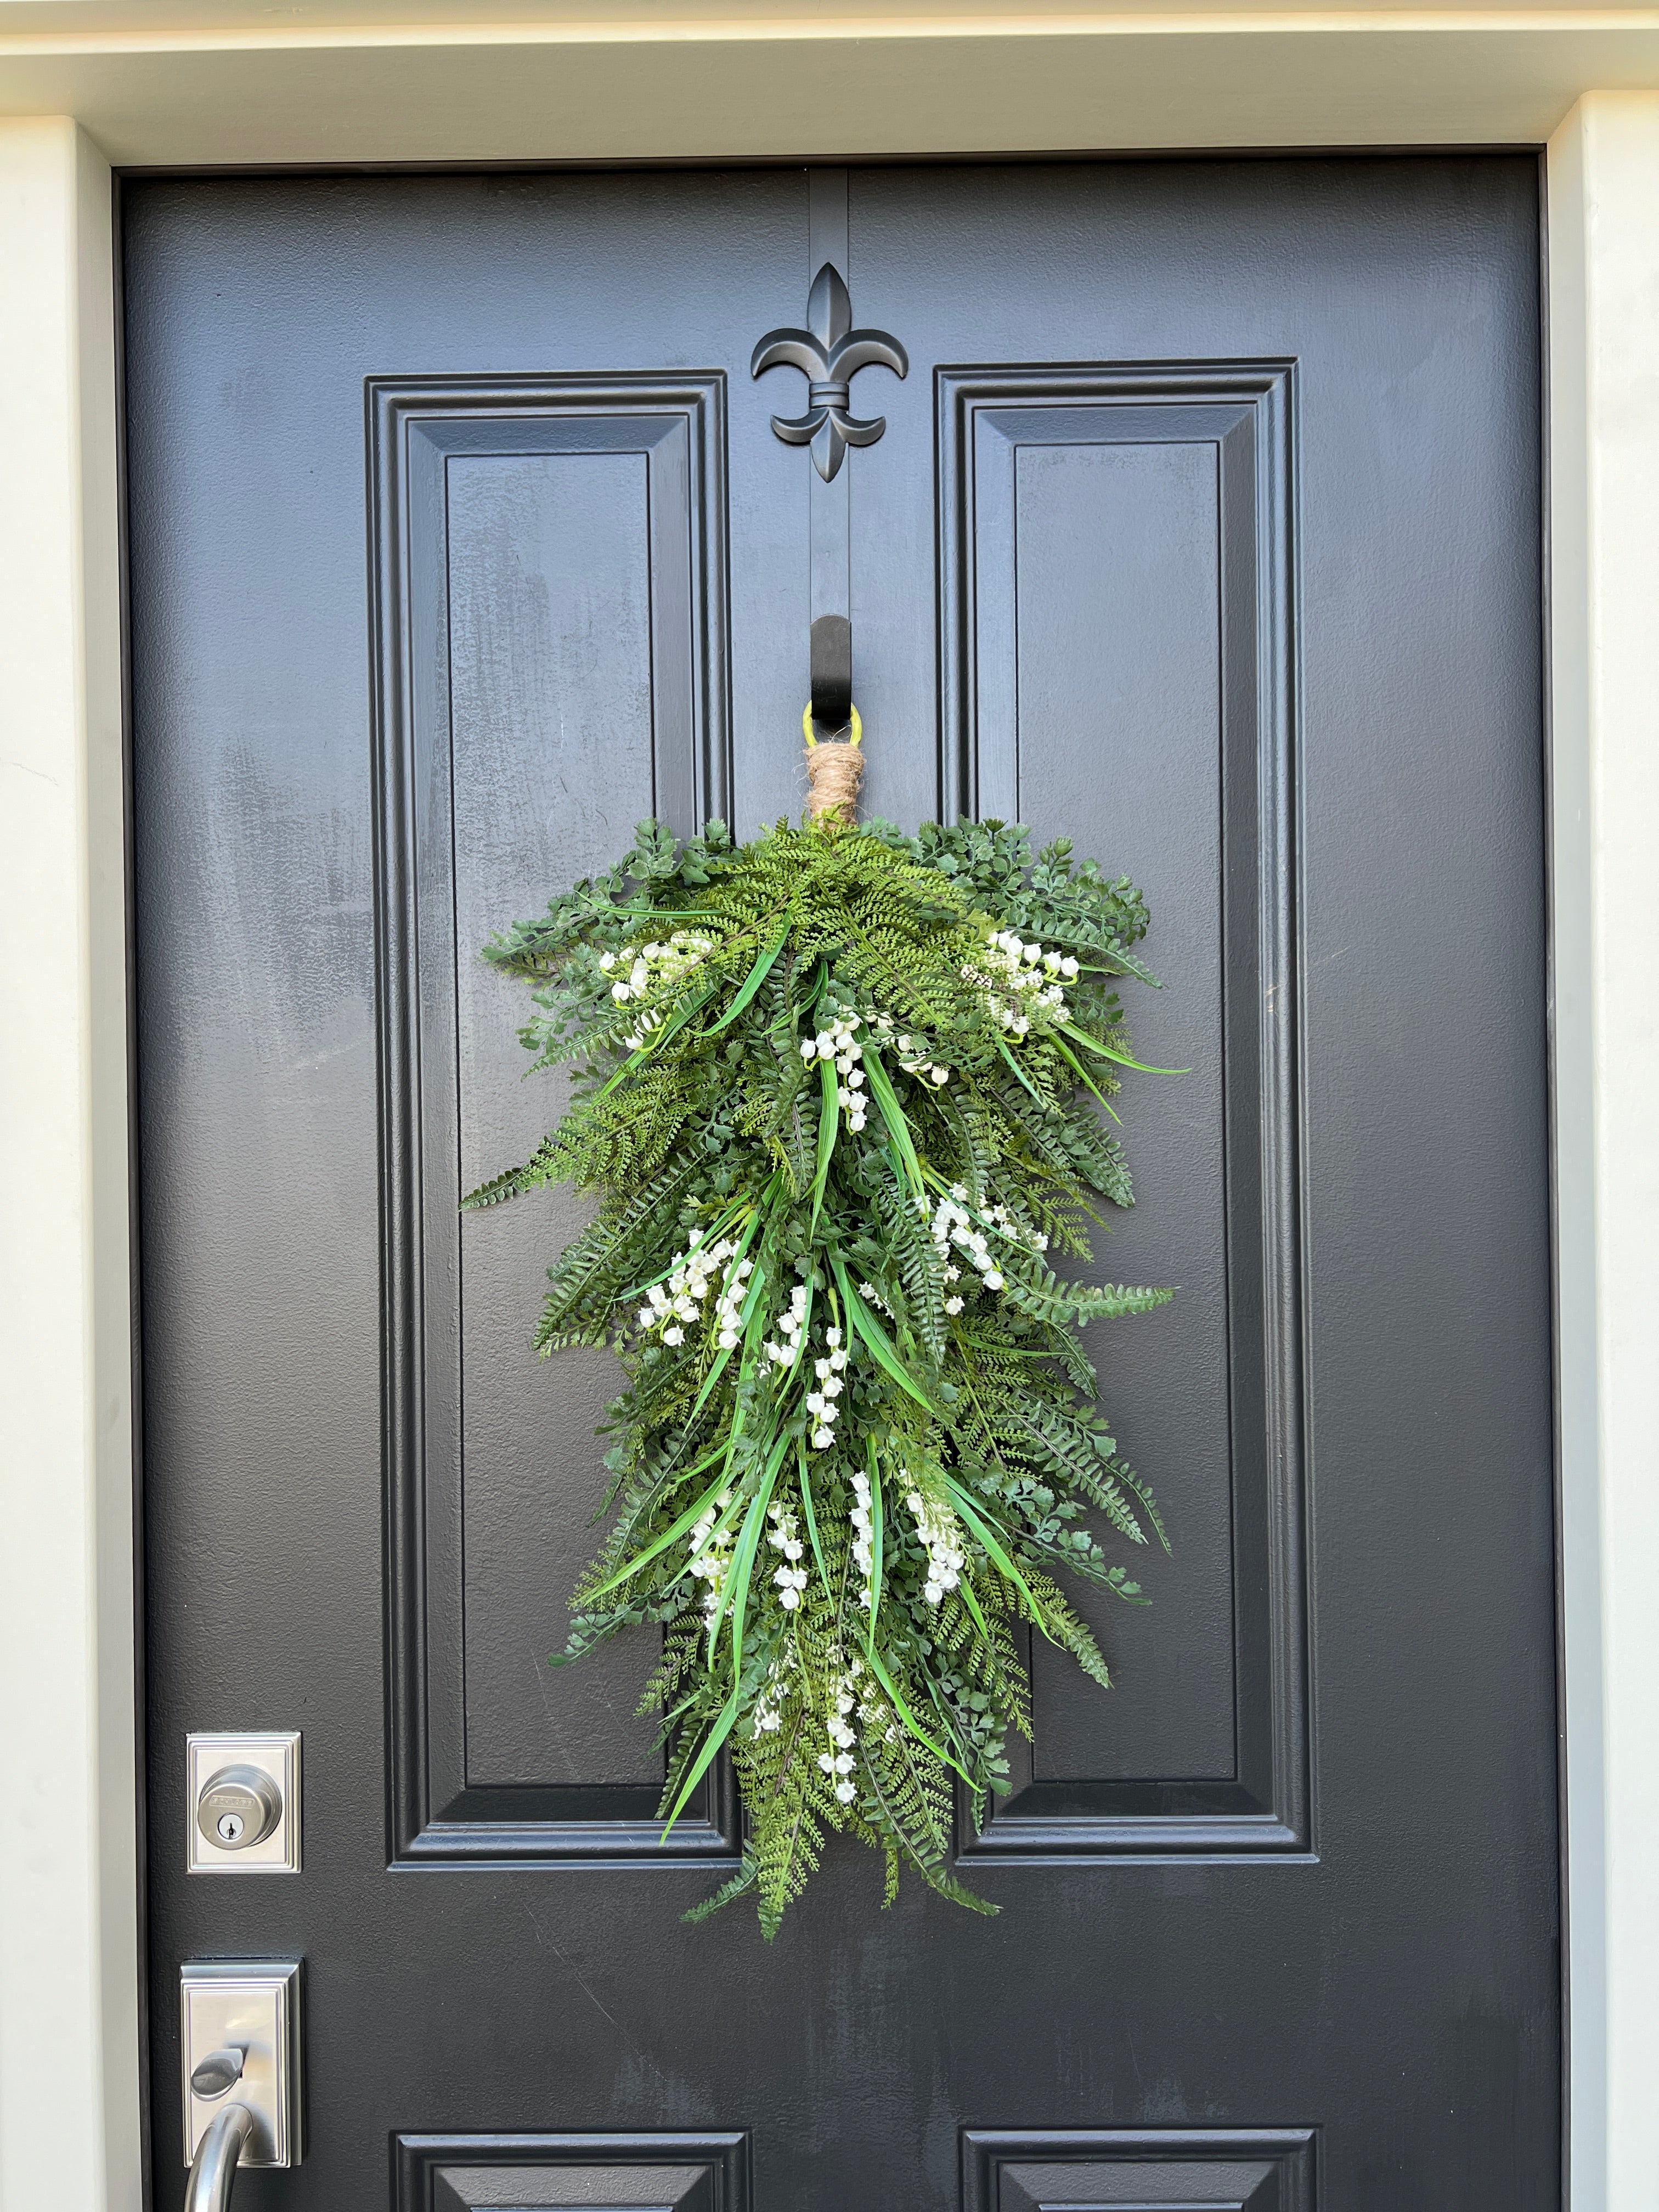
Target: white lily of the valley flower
x,y
1017,978
942,1540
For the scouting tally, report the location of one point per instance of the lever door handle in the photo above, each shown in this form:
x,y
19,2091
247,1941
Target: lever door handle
x,y
213,2169
240,2047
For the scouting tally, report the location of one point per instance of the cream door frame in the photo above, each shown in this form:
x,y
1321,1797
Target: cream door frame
x,y
85,83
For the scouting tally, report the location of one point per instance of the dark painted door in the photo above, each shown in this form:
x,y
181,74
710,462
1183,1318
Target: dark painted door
x,y
1206,528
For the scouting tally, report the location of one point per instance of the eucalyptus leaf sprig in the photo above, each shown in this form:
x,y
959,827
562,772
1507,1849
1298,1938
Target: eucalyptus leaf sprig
x,y
837,1090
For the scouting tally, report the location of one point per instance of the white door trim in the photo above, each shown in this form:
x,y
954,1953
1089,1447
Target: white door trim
x,y
69,1885
193,82
70,1993
1604,241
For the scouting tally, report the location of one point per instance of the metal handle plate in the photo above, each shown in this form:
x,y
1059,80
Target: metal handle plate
x,y
246,2009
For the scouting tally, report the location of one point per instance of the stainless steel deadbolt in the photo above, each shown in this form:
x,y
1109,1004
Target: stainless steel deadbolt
x,y
239,1807
244,1799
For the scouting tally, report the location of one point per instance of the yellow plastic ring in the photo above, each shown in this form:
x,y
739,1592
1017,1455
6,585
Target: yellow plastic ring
x,y
811,736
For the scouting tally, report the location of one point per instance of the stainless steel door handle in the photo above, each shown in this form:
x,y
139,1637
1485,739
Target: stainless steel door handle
x,y
217,2157
240,2050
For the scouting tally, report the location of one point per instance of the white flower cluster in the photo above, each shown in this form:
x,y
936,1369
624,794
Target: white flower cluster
x,y
651,967
769,1703
728,1306
711,1554
1021,978
915,1060
669,1306
863,1536
655,963
823,1403
838,1762
780,1349
1033,1239
791,1577
840,1042
952,1226
914,1056
936,1527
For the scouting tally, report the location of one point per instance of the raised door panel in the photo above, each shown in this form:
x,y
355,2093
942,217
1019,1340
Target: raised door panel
x,y
1118,649
1138,2170
551,564
609,2172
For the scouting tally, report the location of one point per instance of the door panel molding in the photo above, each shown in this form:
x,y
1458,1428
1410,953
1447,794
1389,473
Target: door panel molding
x,y
1243,413
666,433
1139,2169
662,2173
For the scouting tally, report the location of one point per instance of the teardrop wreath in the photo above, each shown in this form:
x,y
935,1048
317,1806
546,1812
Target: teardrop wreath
x,y
837,1090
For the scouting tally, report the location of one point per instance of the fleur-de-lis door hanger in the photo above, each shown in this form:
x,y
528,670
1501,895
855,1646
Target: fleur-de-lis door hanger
x,y
830,353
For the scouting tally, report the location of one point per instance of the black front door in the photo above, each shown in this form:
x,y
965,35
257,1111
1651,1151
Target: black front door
x,y
1205,531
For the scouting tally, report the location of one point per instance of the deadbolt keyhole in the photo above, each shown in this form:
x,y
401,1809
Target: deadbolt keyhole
x,y
239,1807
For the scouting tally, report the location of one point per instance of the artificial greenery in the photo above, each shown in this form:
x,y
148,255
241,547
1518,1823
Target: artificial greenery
x,y
837,1090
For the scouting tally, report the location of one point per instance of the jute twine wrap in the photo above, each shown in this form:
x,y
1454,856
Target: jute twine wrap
x,y
834,772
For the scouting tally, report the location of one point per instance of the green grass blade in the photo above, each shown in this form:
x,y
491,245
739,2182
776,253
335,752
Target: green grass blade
x,y
692,1513
722,1358
1086,1079
998,1557
1111,1052
655,1042
879,1343
964,1591
1020,1072
734,1599
829,1123
758,975
874,1467
811,1517
897,1700
734,1589
892,1113
711,1743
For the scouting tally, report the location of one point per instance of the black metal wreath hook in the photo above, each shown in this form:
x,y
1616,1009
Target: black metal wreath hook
x,y
830,353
